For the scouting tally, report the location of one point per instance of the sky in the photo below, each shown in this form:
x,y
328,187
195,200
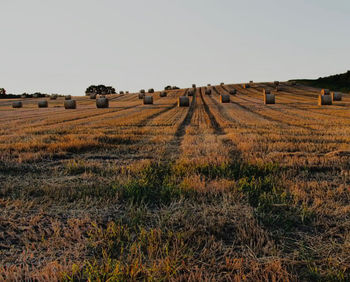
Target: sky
x,y
64,46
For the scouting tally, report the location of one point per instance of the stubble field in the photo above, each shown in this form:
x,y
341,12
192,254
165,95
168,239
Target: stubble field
x,y
237,191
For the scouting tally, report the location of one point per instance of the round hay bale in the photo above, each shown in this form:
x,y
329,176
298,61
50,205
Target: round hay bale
x,y
93,96
141,95
208,84
233,91
126,92
53,97
336,96
142,91
325,92
222,83
68,97
17,104
276,83
251,81
194,85
269,99
70,104
102,103
151,90
183,101
121,92
224,98
266,91
43,104
324,100
208,91
163,94
190,92
147,100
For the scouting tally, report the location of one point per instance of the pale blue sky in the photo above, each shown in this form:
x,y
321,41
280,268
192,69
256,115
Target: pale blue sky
x,y
64,46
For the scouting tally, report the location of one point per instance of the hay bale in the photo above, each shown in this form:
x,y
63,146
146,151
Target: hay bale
x,y
70,104
163,94
325,92
208,84
336,96
194,85
266,91
233,91
276,83
126,92
222,84
102,103
53,97
224,98
269,99
43,104
17,104
183,101
121,92
141,95
324,100
142,91
93,96
245,86
208,91
151,90
147,100
251,81
68,97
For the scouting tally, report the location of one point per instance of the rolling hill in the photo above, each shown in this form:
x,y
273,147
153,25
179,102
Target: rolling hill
x,y
337,82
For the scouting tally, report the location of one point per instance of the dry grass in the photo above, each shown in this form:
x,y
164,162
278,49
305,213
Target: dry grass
x,y
235,191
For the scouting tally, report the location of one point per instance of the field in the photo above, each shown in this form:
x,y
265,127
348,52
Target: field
x,y
238,191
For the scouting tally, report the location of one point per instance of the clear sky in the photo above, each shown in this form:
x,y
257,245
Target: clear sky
x,y
63,46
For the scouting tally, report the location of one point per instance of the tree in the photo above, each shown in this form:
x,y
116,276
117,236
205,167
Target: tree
x,y
100,89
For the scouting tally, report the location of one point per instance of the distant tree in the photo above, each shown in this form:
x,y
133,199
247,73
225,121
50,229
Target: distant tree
x,y
99,89
2,91
110,90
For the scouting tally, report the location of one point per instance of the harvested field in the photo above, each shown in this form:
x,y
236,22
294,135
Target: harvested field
x,y
212,191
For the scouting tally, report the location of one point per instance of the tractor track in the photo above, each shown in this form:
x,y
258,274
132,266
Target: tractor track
x,y
214,123
233,152
173,147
